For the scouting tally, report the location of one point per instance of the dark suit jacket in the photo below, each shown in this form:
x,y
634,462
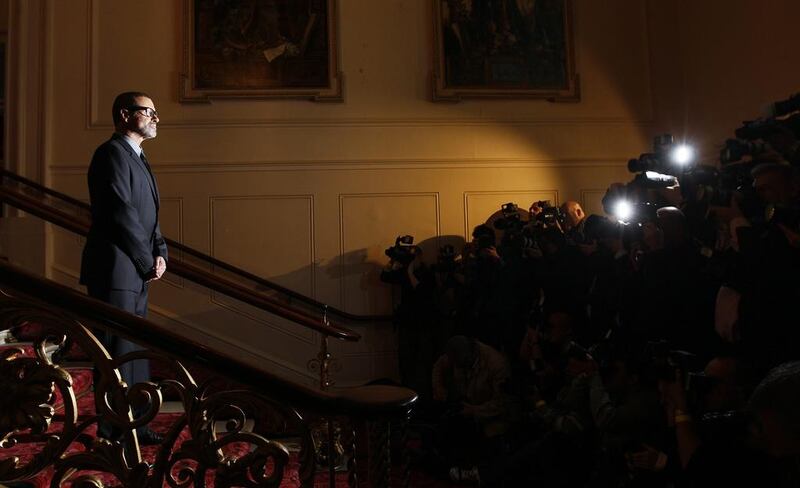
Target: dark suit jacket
x,y
125,237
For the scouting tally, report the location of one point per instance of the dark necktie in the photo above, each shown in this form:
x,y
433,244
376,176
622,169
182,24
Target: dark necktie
x,y
152,178
144,160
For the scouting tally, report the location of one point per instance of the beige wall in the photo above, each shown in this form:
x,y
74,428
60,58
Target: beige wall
x,y
311,194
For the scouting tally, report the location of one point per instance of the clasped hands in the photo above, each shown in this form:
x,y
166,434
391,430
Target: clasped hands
x,y
159,267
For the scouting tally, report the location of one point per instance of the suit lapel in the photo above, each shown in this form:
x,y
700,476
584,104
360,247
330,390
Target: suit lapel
x,y
148,175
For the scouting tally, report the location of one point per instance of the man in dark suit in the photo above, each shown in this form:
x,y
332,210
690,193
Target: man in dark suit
x,y
125,251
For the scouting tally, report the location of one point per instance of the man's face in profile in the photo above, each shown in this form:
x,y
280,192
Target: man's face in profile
x,y
143,118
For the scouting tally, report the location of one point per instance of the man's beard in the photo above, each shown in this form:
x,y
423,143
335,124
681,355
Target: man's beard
x,y
148,131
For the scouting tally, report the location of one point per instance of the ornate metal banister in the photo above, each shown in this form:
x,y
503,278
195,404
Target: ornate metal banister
x,y
196,447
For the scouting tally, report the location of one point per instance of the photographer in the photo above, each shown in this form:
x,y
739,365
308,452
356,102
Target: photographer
x,y
482,307
518,277
469,384
610,271
448,275
712,433
665,293
555,439
633,436
777,422
675,281
413,315
563,270
767,262
574,220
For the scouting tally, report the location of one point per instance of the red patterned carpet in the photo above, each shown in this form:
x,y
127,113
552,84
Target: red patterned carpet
x,y
82,379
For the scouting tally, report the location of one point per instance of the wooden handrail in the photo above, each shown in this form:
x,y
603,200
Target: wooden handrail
x,y
210,259
365,401
185,270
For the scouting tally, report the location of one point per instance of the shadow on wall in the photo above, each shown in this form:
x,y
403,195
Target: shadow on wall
x,y
359,274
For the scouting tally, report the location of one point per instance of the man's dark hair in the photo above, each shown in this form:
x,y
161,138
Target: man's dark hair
x,y
483,230
123,101
779,392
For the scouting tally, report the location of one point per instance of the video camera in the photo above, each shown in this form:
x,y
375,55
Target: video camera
x,y
656,170
550,215
778,133
667,158
700,185
404,251
737,149
517,235
510,219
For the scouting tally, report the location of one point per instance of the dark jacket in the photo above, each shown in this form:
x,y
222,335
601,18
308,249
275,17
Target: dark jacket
x,y
124,238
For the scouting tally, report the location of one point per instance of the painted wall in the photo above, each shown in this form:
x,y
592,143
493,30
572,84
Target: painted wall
x,y
311,194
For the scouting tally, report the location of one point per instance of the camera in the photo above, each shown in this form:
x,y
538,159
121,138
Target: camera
x,y
785,107
550,214
714,186
667,158
630,211
510,219
736,149
758,129
517,235
664,361
446,260
404,251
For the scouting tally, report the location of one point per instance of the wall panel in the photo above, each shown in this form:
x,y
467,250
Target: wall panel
x,y
269,235
479,205
370,222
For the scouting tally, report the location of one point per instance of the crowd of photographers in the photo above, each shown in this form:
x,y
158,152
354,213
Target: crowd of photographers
x,y
652,348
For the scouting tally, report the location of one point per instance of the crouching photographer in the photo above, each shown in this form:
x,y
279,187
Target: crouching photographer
x,y
633,436
707,410
470,386
413,314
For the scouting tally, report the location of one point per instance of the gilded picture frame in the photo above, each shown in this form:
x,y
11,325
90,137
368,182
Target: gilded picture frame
x,y
506,49
260,49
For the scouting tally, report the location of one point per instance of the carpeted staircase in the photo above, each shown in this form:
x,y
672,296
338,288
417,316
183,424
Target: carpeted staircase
x,y
81,373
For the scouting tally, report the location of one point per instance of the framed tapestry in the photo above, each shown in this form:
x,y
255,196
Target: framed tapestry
x,y
260,49
504,49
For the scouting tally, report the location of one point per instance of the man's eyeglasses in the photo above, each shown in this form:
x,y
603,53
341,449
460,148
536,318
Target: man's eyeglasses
x,y
146,111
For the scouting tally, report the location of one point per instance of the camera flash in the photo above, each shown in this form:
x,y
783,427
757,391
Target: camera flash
x,y
623,210
682,154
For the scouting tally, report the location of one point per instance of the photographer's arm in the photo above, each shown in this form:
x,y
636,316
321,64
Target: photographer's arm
x,y
392,273
560,420
603,409
410,270
564,422
438,379
674,399
687,438
498,403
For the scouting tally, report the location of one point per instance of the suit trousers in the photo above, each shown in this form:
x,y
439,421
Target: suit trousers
x,y
131,372
133,302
